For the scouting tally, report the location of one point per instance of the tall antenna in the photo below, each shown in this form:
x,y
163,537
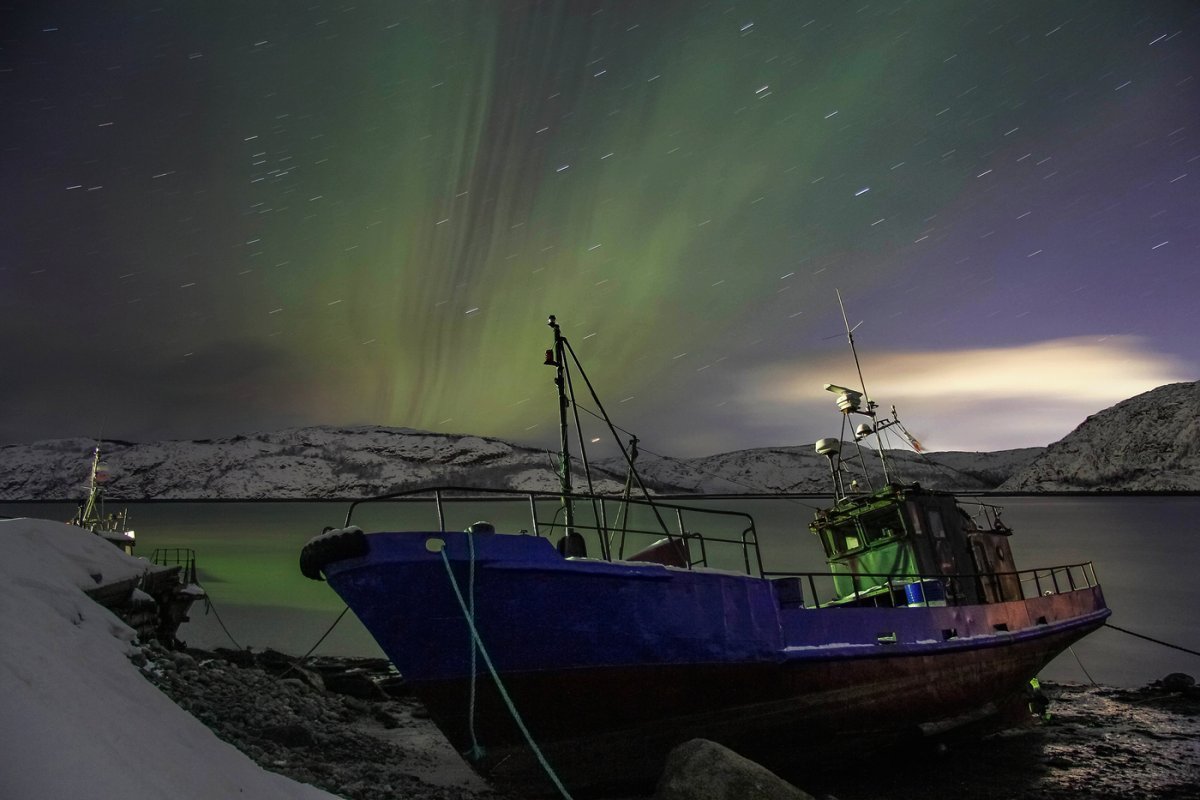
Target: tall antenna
x,y
853,350
862,383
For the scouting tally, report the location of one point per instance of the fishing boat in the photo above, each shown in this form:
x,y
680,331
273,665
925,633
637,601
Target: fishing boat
x,y
156,602
91,515
575,639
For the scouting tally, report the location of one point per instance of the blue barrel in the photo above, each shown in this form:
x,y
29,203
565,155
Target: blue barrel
x,y
932,591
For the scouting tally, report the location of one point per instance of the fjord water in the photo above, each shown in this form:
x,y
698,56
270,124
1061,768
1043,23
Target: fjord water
x,y
1145,549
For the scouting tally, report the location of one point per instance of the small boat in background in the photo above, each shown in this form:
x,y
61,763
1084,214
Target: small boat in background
x,y
579,647
113,526
156,602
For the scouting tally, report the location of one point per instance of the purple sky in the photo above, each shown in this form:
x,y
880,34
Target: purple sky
x,y
221,219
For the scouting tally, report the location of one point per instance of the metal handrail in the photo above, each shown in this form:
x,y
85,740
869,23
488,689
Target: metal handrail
x,y
894,582
747,540
184,557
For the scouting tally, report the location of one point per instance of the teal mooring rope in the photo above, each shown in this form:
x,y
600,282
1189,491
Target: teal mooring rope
x,y
512,709
476,752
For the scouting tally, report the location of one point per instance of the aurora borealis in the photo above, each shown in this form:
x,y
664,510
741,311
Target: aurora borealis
x,y
222,218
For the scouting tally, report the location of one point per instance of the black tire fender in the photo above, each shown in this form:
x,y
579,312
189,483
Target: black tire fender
x,y
332,545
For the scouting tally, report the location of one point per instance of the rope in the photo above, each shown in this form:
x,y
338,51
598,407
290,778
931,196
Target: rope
x,y
476,751
1151,639
209,605
1082,667
512,709
328,631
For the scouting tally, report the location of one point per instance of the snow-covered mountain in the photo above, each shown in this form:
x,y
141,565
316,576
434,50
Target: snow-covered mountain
x,y
329,462
800,469
1148,442
300,463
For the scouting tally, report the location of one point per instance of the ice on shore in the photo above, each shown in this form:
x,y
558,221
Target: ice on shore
x,y
76,718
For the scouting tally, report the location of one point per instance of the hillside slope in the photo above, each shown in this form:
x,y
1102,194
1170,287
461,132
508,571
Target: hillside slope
x,y
365,461
1150,442
301,463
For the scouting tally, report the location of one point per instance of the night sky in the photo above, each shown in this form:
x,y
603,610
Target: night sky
x,y
223,217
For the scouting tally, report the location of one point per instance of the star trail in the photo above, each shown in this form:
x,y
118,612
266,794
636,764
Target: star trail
x,y
222,218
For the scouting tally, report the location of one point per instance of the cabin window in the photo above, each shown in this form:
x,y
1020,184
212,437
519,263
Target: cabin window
x,y
842,539
935,525
882,526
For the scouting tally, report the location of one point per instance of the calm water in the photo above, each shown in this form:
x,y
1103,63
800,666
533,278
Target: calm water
x,y
1146,552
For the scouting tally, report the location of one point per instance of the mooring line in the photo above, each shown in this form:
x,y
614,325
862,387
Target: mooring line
x,y
328,631
476,751
487,659
1151,639
209,605
1079,661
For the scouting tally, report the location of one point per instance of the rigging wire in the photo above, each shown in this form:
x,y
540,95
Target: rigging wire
x,y
757,489
598,513
612,429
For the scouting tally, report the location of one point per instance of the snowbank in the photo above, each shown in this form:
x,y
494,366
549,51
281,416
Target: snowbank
x,y
76,718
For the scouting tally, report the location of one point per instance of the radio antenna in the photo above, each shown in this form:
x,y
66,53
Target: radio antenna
x,y
862,383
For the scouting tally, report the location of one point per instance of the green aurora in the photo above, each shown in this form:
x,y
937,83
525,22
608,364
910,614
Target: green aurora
x,y
365,214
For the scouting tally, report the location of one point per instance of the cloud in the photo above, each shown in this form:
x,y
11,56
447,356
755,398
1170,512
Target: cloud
x,y
981,398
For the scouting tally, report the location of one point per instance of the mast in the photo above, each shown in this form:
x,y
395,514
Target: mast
x,y
870,412
93,497
557,359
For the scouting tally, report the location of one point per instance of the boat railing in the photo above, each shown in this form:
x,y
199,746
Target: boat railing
x,y
986,516
184,557
621,528
929,589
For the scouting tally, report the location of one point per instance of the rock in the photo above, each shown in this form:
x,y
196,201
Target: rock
x,y
354,684
289,735
396,687
383,717
704,770
241,658
1177,682
273,661
182,659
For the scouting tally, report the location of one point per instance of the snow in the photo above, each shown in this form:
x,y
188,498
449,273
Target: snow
x,y
364,461
76,718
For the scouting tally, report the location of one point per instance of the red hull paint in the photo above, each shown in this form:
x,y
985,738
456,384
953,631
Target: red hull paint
x,y
782,714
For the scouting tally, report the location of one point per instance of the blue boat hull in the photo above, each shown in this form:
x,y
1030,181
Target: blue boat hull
x,y
614,663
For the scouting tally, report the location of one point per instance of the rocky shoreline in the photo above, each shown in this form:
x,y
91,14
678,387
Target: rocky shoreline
x,y
343,725
350,727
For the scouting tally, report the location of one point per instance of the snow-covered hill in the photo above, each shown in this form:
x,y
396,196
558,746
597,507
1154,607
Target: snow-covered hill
x,y
300,463
329,462
76,718
1149,442
802,470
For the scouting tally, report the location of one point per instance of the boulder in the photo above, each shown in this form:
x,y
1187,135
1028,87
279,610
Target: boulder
x,y
704,770
1177,682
